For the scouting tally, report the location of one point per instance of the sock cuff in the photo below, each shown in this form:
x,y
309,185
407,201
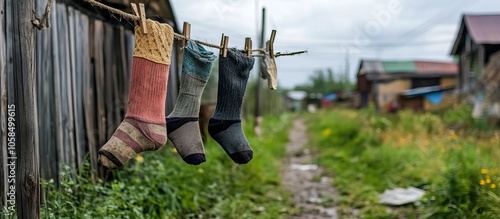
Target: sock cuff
x,y
237,62
234,70
148,90
156,45
197,61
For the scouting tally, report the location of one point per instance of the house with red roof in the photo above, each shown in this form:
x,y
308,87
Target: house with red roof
x,y
417,85
477,40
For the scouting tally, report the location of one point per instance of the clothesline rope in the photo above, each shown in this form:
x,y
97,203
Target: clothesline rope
x,y
176,35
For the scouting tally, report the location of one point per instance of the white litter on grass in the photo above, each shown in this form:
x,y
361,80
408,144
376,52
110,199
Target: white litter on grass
x,y
304,167
314,197
400,196
326,180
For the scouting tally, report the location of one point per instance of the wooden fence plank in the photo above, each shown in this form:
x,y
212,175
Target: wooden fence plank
x,y
80,63
58,118
70,87
109,71
99,80
27,174
122,75
98,57
74,51
90,103
9,64
85,70
66,92
3,108
117,75
45,101
129,44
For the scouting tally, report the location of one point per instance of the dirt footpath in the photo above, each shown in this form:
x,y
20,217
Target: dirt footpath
x,y
313,192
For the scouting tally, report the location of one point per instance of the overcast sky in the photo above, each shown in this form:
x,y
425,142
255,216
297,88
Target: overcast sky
x,y
367,29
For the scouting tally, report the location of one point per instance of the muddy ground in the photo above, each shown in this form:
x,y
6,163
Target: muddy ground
x,y
313,192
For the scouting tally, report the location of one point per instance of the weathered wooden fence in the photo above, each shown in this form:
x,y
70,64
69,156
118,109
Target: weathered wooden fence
x,y
3,106
83,63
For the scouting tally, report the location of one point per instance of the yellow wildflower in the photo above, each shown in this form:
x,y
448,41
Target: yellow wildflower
x,y
200,170
402,140
139,158
484,171
482,182
453,136
488,180
493,186
326,132
174,150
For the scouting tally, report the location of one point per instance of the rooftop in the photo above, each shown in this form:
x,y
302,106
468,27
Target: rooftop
x,y
483,29
386,70
417,67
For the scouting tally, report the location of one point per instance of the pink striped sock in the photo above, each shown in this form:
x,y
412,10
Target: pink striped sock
x,y
143,128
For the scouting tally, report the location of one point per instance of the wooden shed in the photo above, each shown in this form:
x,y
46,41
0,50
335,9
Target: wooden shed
x,y
83,64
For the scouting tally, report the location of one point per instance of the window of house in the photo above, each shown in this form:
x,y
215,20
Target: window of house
x,y
424,82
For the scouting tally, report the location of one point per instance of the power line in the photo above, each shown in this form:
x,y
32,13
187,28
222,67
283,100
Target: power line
x,y
350,44
425,26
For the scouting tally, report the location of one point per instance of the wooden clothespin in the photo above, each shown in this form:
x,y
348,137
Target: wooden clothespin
x,y
142,11
248,46
136,11
223,44
271,44
141,15
186,32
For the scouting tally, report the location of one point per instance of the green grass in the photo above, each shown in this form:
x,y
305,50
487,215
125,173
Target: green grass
x,y
457,165
367,153
163,186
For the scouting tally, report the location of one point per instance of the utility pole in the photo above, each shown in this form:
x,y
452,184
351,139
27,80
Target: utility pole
x,y
25,110
347,65
258,100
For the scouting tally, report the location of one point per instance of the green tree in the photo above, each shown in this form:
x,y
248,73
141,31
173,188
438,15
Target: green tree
x,y
322,81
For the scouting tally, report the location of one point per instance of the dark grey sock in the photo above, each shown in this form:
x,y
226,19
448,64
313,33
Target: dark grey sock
x,y
225,124
183,129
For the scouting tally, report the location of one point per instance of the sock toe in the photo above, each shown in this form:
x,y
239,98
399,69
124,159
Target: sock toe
x,y
242,157
194,159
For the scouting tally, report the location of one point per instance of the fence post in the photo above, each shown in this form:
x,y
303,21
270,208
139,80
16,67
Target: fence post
x,y
27,171
3,106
